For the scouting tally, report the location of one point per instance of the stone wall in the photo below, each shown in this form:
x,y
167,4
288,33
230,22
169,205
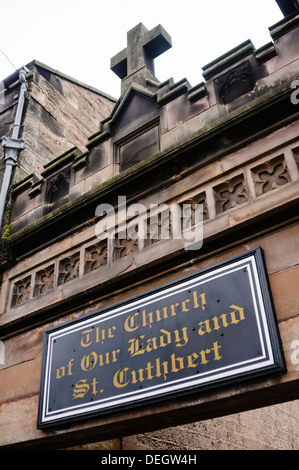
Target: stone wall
x,y
59,113
235,153
20,376
271,428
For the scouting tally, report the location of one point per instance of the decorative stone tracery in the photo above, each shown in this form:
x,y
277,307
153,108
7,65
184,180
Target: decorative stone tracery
x,y
44,281
237,190
69,268
21,291
270,175
96,256
230,194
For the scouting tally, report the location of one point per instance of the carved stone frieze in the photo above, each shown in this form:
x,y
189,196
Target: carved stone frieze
x,y
158,226
188,208
57,190
230,194
235,83
21,291
96,256
69,268
270,175
123,245
44,281
165,221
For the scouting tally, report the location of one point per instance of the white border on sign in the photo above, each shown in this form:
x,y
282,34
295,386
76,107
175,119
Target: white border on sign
x,y
266,359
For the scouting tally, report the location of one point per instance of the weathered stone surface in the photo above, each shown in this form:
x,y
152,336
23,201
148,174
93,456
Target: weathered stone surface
x,y
233,150
51,125
143,47
251,430
284,288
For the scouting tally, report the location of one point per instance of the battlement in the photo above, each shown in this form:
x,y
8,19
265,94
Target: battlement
x,y
244,92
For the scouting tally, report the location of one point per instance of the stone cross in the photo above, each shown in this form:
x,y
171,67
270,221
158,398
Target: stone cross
x,y
135,63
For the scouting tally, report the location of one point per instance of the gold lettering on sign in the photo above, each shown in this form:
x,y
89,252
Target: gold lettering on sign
x,y
175,364
223,320
82,387
60,372
143,318
152,349
140,345
120,378
86,339
89,361
96,335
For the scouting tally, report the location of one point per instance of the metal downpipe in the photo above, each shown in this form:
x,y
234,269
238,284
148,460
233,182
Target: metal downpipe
x,y
13,145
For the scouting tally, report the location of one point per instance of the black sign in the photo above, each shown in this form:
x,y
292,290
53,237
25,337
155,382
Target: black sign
x,y
205,330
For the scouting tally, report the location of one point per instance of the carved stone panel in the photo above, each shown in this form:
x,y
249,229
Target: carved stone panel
x,y
158,226
270,175
188,209
96,256
123,245
21,291
44,281
69,268
230,194
57,190
171,219
235,83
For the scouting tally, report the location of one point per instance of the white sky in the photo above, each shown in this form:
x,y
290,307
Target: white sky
x,y
79,37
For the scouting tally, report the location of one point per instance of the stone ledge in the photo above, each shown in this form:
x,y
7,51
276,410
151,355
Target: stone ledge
x,y
126,273
284,26
233,56
216,129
